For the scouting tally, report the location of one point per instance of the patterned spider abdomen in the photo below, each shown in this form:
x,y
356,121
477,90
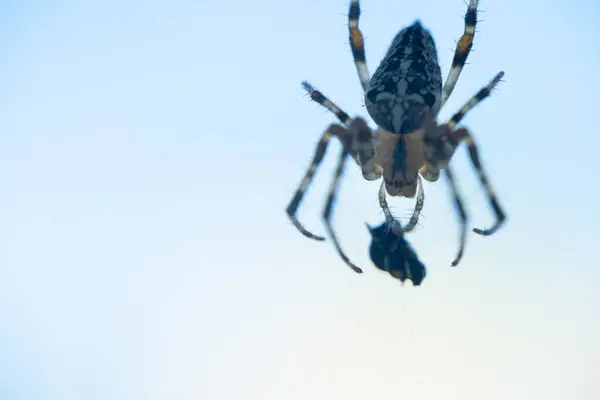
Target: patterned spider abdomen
x,y
391,252
407,81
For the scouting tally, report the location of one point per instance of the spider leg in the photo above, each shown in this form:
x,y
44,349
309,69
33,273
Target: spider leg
x,y
459,204
333,130
363,149
357,45
463,48
327,212
418,207
392,222
473,101
320,98
464,135
432,174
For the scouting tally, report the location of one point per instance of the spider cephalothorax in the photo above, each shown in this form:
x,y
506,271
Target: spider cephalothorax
x,y
404,97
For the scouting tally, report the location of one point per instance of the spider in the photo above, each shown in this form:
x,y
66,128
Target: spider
x,y
390,252
403,97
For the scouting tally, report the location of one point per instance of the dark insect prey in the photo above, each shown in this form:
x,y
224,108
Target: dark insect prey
x,y
391,252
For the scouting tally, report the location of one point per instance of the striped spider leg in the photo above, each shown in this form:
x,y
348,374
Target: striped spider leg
x,y
357,140
440,143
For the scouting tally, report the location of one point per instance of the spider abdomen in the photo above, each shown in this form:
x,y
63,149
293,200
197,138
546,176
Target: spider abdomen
x,y
407,82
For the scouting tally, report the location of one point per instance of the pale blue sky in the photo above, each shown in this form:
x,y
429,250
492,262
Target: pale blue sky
x,y
148,150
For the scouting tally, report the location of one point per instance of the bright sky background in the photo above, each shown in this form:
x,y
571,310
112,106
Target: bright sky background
x,y
148,150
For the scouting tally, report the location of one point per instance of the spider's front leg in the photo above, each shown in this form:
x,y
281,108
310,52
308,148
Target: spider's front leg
x,y
333,130
358,141
441,143
464,135
439,147
459,204
454,137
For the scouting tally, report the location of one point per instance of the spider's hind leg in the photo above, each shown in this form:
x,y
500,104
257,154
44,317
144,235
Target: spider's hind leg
x,y
357,45
463,48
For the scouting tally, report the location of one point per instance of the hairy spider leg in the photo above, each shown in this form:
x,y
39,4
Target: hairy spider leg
x,y
363,146
318,97
455,137
412,223
463,48
333,130
459,204
473,101
429,172
327,211
464,135
357,45
357,136
392,222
